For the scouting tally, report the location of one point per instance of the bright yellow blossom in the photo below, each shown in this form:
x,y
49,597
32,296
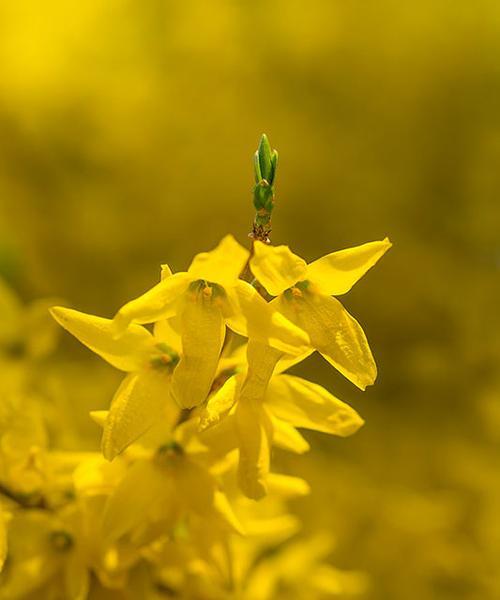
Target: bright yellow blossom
x,y
204,299
149,359
261,406
305,296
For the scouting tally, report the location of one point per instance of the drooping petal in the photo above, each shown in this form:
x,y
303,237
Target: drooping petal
x,y
202,335
139,401
262,360
305,404
256,319
287,437
128,353
333,332
276,267
222,265
157,303
336,273
255,438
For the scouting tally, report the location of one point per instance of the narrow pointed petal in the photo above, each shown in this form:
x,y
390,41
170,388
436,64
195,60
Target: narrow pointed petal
x,y
222,265
256,319
138,402
334,333
202,335
285,436
157,303
128,353
99,417
288,486
255,438
336,273
305,404
276,267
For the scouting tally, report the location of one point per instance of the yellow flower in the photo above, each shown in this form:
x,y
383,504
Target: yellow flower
x,y
304,295
164,488
207,297
262,407
144,394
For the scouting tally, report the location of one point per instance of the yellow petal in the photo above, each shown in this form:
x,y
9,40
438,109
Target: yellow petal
x,y
144,487
336,273
287,486
222,265
256,319
255,436
129,353
99,417
198,493
333,332
287,437
3,538
220,439
166,332
305,404
276,267
137,404
157,303
202,335
220,403
261,360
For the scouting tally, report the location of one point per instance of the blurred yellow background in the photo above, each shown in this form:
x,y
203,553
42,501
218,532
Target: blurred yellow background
x,y
126,138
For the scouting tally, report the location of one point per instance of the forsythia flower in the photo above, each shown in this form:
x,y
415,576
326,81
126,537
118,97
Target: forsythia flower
x,y
304,295
149,359
205,298
263,406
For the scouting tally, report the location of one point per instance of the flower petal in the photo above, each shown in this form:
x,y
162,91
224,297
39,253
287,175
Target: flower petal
x,y
260,321
305,404
255,435
287,437
288,486
157,303
202,334
128,353
276,267
143,488
222,265
137,404
220,403
333,332
336,273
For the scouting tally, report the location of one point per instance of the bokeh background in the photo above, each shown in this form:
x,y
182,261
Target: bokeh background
x,y
126,138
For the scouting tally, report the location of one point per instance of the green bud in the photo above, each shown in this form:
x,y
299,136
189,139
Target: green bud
x,y
265,161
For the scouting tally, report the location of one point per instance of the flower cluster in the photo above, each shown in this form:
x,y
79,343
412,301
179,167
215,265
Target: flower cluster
x,y
168,508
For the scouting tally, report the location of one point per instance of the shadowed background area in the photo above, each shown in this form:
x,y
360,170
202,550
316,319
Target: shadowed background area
x,y
126,138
